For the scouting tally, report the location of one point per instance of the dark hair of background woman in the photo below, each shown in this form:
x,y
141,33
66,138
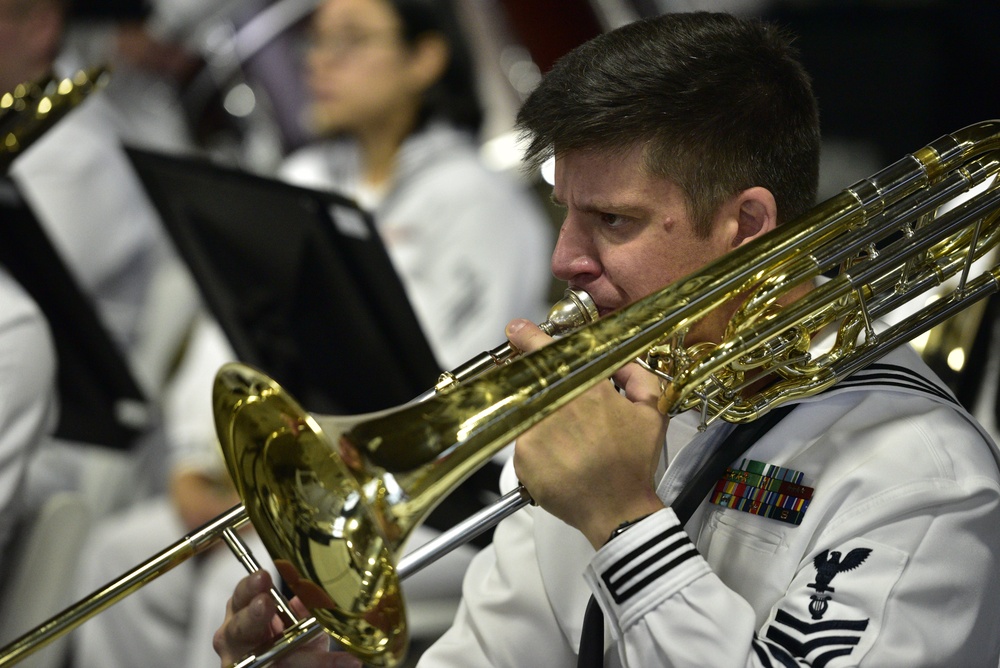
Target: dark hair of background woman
x,y
454,96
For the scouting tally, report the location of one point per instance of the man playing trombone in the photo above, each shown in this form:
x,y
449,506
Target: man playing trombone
x,y
862,529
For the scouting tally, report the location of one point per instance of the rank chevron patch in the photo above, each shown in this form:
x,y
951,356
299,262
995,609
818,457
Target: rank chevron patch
x,y
833,609
763,489
820,642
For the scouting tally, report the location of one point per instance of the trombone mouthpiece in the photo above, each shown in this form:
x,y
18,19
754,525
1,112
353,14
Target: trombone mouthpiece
x,y
574,310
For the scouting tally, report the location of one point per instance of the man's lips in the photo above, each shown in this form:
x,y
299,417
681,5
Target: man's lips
x,y
602,310
615,302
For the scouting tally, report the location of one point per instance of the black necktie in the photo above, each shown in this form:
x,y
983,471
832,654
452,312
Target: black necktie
x,y
745,435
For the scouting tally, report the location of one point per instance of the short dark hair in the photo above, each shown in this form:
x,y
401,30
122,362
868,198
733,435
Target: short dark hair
x,y
453,97
720,103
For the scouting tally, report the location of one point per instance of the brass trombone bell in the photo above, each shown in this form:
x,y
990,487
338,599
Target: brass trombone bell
x,y
339,510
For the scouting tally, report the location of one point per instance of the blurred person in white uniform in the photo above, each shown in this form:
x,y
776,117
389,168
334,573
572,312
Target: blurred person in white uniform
x,y
78,182
28,406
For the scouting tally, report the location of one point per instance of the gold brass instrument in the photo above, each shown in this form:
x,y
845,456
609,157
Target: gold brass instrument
x,y
575,309
33,107
335,498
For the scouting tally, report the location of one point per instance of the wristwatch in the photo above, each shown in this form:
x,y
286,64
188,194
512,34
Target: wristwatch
x,y
625,526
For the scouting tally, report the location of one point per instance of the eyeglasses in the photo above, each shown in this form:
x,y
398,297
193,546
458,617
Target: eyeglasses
x,y
347,44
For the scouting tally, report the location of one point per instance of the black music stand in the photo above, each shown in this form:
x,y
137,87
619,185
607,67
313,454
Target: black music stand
x,y
299,281
100,401
303,288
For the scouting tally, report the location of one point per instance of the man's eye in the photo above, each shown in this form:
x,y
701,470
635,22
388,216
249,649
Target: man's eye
x,y
612,220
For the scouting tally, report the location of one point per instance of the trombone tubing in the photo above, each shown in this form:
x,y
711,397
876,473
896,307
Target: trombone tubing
x,y
106,596
222,528
410,564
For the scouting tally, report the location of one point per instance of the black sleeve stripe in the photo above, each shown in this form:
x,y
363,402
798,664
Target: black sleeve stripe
x,y
678,543
626,559
622,596
663,552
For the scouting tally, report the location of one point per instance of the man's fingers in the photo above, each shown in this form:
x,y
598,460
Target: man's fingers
x,y
640,385
526,336
248,587
251,625
299,608
248,619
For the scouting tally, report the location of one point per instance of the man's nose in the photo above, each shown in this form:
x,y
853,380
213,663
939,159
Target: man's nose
x,y
574,257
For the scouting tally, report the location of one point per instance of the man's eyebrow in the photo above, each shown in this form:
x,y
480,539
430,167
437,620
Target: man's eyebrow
x,y
626,208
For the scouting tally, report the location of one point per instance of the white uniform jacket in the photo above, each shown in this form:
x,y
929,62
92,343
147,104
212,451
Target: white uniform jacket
x,y
893,561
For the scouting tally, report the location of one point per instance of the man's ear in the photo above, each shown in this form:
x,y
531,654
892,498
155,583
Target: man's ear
x,y
430,59
756,214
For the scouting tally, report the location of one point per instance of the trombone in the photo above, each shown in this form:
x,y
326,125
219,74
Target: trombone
x,y
335,498
575,309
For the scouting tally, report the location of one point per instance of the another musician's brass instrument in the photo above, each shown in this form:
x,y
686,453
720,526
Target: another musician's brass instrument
x,y
334,499
33,107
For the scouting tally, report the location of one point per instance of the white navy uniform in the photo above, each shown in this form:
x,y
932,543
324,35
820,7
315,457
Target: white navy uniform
x,y
893,561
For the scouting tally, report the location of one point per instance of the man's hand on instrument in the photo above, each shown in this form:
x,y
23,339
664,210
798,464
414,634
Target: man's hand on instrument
x,y
252,623
592,463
